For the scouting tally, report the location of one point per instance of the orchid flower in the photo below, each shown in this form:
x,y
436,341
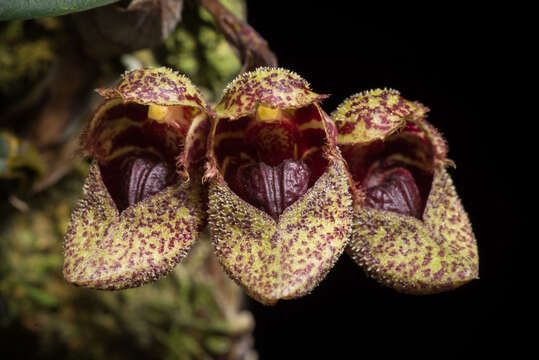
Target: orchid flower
x,y
285,190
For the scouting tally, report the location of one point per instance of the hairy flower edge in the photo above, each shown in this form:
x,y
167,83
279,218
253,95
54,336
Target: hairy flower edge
x,y
284,256
139,216
434,252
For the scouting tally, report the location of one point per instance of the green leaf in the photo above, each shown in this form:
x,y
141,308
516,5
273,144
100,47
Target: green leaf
x,y
28,9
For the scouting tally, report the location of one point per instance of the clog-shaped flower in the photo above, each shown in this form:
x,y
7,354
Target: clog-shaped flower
x,y
410,230
139,215
279,206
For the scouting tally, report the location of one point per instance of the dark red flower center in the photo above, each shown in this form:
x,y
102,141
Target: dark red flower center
x,y
144,177
395,174
272,188
272,157
137,154
133,178
395,190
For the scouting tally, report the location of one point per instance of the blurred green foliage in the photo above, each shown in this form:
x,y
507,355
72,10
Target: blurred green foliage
x,y
27,50
197,49
194,313
18,158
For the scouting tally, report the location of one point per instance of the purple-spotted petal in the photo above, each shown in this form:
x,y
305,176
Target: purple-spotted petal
x,y
140,214
288,258
156,86
108,249
435,254
279,206
410,231
194,148
272,87
372,115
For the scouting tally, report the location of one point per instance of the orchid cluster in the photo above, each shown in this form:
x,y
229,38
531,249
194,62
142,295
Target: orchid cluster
x,y
284,188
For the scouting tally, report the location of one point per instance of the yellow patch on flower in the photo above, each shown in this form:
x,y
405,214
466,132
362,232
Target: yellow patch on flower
x,y
271,87
369,116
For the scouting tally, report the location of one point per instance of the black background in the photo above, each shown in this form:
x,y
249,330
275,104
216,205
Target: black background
x,y
457,61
